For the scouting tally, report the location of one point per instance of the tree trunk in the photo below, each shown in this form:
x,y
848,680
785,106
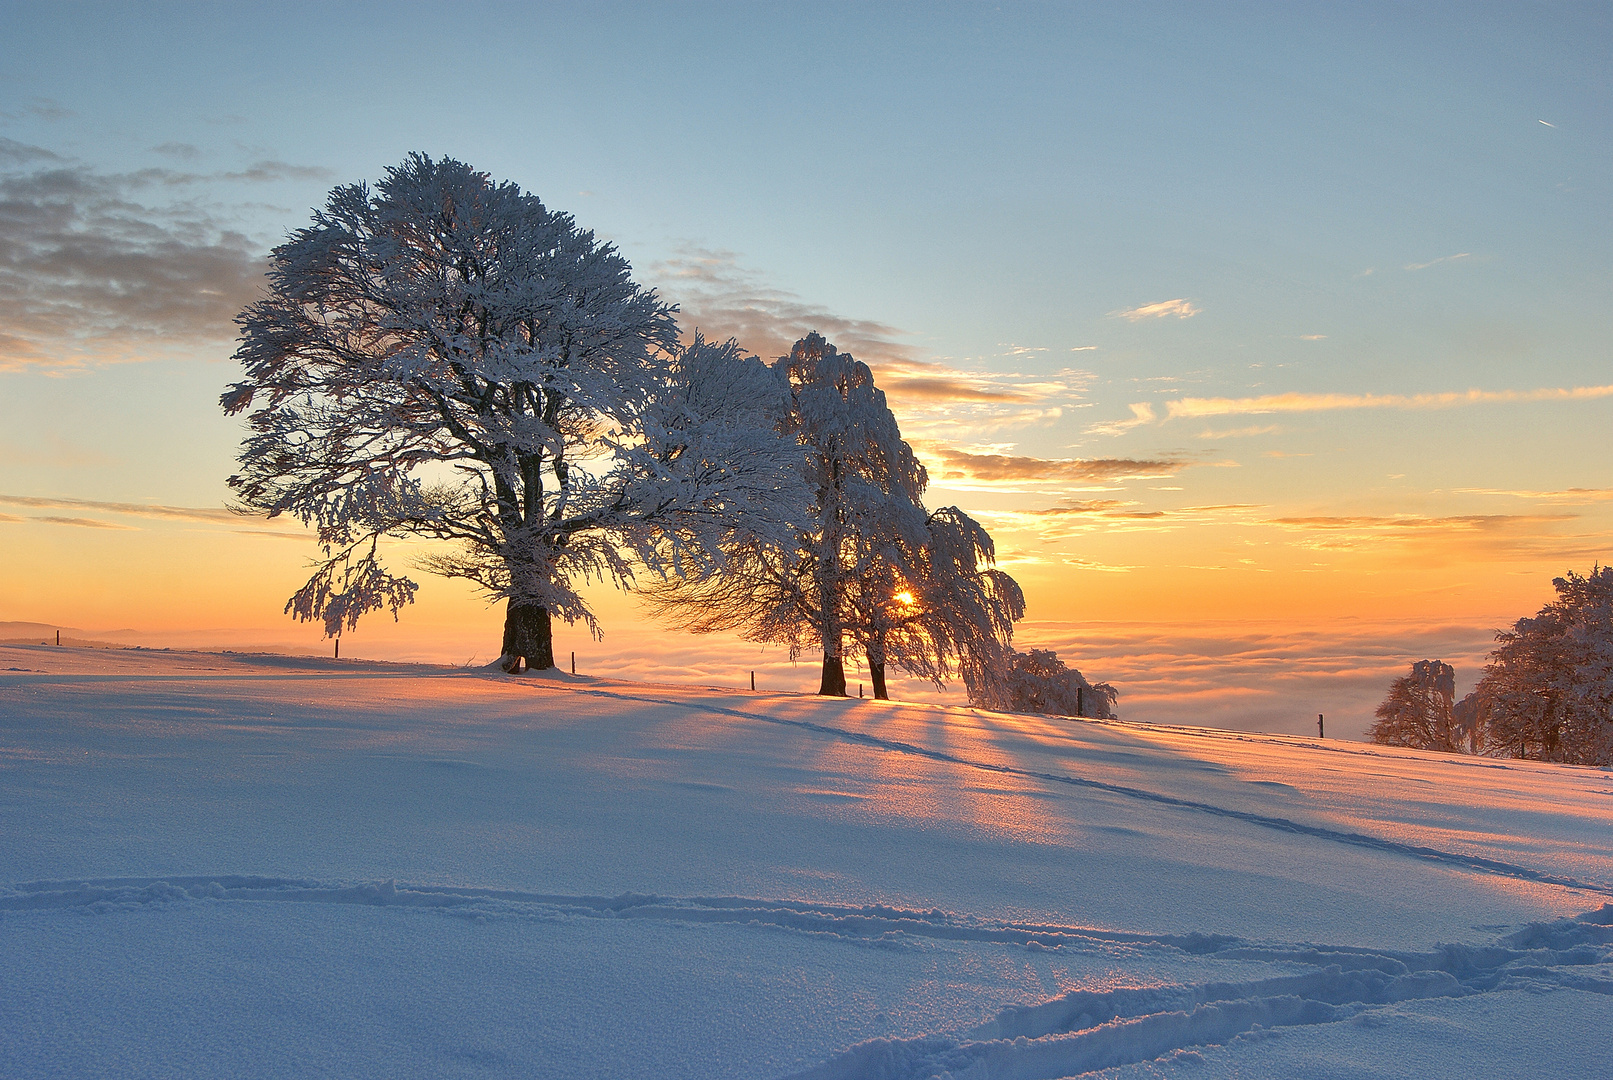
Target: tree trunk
x,y
876,672
527,633
834,676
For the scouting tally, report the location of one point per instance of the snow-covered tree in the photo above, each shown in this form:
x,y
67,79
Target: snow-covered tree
x,y
1420,710
1039,682
446,358
865,485
867,566
1547,692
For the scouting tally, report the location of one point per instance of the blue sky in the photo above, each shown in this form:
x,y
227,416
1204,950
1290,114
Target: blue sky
x,y
1043,224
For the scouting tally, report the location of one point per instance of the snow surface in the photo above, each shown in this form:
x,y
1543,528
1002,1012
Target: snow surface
x,y
262,866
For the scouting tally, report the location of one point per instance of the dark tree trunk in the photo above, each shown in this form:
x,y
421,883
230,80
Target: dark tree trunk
x,y
527,634
834,677
876,672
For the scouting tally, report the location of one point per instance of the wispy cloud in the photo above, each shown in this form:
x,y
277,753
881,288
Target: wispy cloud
x,y
1109,516
1141,413
1180,308
1399,523
720,298
92,271
1488,537
1566,497
1441,259
951,464
14,153
39,108
84,523
216,515
1297,402
1240,433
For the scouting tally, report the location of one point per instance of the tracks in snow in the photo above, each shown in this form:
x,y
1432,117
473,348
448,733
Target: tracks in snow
x,y
1086,1031
1453,859
1073,1034
878,924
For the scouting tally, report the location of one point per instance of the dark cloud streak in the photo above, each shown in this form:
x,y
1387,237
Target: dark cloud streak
x,y
955,464
216,515
84,523
90,272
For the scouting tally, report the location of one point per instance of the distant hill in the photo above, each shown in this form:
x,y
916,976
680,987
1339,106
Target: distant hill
x,y
32,633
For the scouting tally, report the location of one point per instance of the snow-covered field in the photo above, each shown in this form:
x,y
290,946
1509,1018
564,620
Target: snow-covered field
x,y
258,866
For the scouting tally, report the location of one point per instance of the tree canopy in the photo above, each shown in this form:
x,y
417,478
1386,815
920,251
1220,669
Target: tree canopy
x,y
1547,692
1420,710
1039,682
867,566
445,357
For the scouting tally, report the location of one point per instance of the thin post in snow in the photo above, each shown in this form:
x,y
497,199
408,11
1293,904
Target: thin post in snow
x,y
1080,705
58,637
859,689
574,662
338,646
1321,732
753,681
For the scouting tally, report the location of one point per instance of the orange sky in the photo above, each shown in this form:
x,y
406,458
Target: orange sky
x,y
1270,344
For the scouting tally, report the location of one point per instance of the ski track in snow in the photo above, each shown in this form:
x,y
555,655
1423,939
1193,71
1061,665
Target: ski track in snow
x,y
1075,1033
1085,1031
1377,843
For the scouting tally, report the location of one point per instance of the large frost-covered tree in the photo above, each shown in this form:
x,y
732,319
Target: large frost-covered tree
x,y
1547,692
445,357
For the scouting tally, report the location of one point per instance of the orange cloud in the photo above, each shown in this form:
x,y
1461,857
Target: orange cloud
x,y
1297,402
1240,433
949,389
955,464
1181,308
86,523
1141,413
218,515
1507,537
1567,496
1403,522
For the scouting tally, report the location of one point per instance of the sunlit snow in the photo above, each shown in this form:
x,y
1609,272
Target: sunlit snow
x,y
259,866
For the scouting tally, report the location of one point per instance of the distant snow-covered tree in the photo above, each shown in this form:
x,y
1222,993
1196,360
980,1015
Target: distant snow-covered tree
x,y
1039,682
1547,692
1419,710
445,357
